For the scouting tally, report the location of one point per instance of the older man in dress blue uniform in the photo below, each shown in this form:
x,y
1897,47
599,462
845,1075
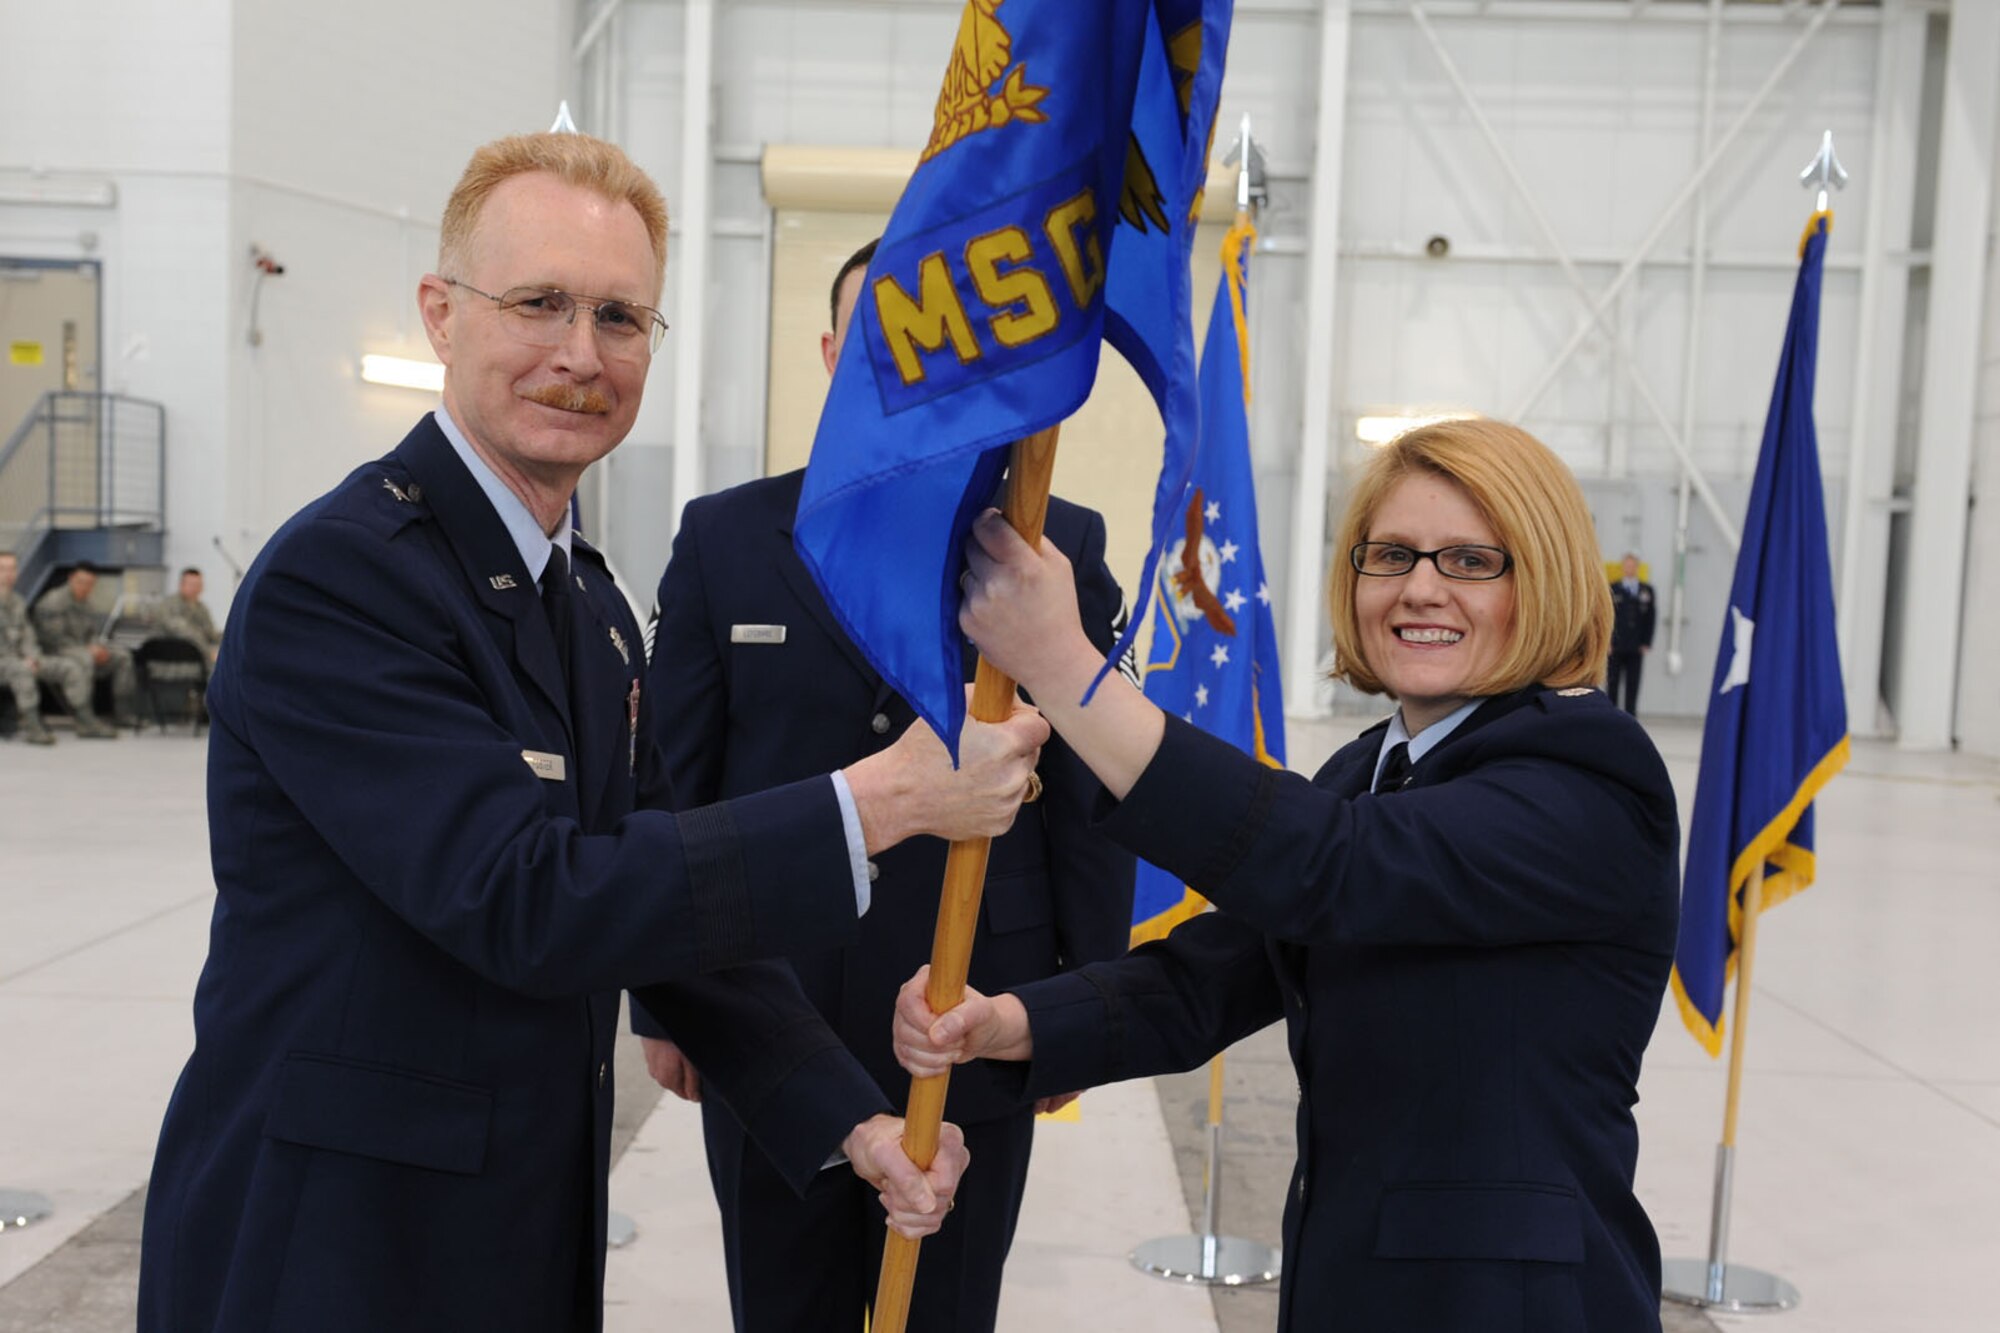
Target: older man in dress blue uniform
x,y
757,684
441,842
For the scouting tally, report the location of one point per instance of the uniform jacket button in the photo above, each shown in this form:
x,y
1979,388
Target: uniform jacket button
x,y
879,724
874,872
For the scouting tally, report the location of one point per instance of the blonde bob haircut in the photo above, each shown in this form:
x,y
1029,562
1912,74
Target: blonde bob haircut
x,y
575,159
1562,599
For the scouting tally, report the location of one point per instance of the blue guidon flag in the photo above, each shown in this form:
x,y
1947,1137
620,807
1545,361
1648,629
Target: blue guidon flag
x,y
1214,654
1776,730
1053,206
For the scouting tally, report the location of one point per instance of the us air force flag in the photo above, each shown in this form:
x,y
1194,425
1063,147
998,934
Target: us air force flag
x,y
1053,206
1777,718
1214,658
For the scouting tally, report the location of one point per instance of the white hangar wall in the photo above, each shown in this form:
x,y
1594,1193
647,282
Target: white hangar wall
x,y
1599,108
329,138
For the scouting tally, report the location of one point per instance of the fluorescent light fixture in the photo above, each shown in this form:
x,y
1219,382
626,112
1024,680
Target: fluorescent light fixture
x,y
402,373
1378,430
58,191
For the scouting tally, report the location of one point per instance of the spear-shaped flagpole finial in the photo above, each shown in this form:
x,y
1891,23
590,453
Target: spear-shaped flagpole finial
x,y
564,125
1824,172
1250,191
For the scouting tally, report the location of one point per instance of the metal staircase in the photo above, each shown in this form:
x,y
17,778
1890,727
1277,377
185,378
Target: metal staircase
x,y
83,477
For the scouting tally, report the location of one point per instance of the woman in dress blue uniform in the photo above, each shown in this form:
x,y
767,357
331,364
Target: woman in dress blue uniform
x,y
1466,918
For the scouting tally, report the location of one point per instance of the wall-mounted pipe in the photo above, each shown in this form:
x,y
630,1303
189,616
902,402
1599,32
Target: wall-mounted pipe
x,y
1691,348
1307,580
691,312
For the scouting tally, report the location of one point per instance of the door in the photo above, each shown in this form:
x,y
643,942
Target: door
x,y
48,340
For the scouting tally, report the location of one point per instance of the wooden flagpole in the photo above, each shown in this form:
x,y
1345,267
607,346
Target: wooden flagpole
x,y
1026,507
1746,959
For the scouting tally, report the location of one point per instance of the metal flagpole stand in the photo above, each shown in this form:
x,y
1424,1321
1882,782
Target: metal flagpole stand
x,y
619,1230
1211,1259
20,1208
1717,1284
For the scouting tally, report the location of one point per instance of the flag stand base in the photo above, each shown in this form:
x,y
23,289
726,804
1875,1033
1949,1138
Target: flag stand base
x,y
1732,1288
20,1208
1212,1261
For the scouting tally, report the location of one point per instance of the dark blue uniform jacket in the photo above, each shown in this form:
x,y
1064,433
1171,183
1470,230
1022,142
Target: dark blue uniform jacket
x,y
397,1113
1469,970
1632,617
747,714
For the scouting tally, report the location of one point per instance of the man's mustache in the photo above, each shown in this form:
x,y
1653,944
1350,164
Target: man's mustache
x,y
570,398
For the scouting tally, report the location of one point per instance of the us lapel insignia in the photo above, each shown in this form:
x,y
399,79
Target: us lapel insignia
x,y
632,724
500,582
618,642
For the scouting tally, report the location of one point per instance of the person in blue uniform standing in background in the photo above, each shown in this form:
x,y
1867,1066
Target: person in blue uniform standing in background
x,y
756,684
1632,617
442,843
1467,919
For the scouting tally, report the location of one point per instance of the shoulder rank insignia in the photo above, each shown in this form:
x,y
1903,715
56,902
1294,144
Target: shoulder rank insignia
x,y
969,101
395,490
1575,692
618,642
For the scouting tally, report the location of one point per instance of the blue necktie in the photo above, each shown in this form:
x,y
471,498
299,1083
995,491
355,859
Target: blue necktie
x,y
1395,770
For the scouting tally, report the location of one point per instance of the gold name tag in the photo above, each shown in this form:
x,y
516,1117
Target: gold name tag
x,y
756,633
548,767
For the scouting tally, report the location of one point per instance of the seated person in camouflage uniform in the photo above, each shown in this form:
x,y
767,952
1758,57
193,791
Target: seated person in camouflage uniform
x,y
71,627
187,617
23,664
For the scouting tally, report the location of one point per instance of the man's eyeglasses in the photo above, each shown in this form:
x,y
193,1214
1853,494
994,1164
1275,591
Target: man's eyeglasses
x,y
543,315
1472,564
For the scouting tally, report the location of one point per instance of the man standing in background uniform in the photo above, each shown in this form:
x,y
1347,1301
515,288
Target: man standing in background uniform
x,y
443,844
755,683
1631,634
71,627
23,665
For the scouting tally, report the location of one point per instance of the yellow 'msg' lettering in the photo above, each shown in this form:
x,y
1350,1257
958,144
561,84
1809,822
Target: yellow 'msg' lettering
x,y
1084,267
1018,287
926,322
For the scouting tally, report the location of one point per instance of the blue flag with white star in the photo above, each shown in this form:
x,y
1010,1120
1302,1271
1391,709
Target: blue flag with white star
x,y
1053,207
1776,730
1214,657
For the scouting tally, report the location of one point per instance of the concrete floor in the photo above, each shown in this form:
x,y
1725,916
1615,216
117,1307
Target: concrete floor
x,y
1869,1167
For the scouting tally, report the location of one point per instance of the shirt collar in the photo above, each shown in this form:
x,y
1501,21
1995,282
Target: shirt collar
x,y
529,539
1424,741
